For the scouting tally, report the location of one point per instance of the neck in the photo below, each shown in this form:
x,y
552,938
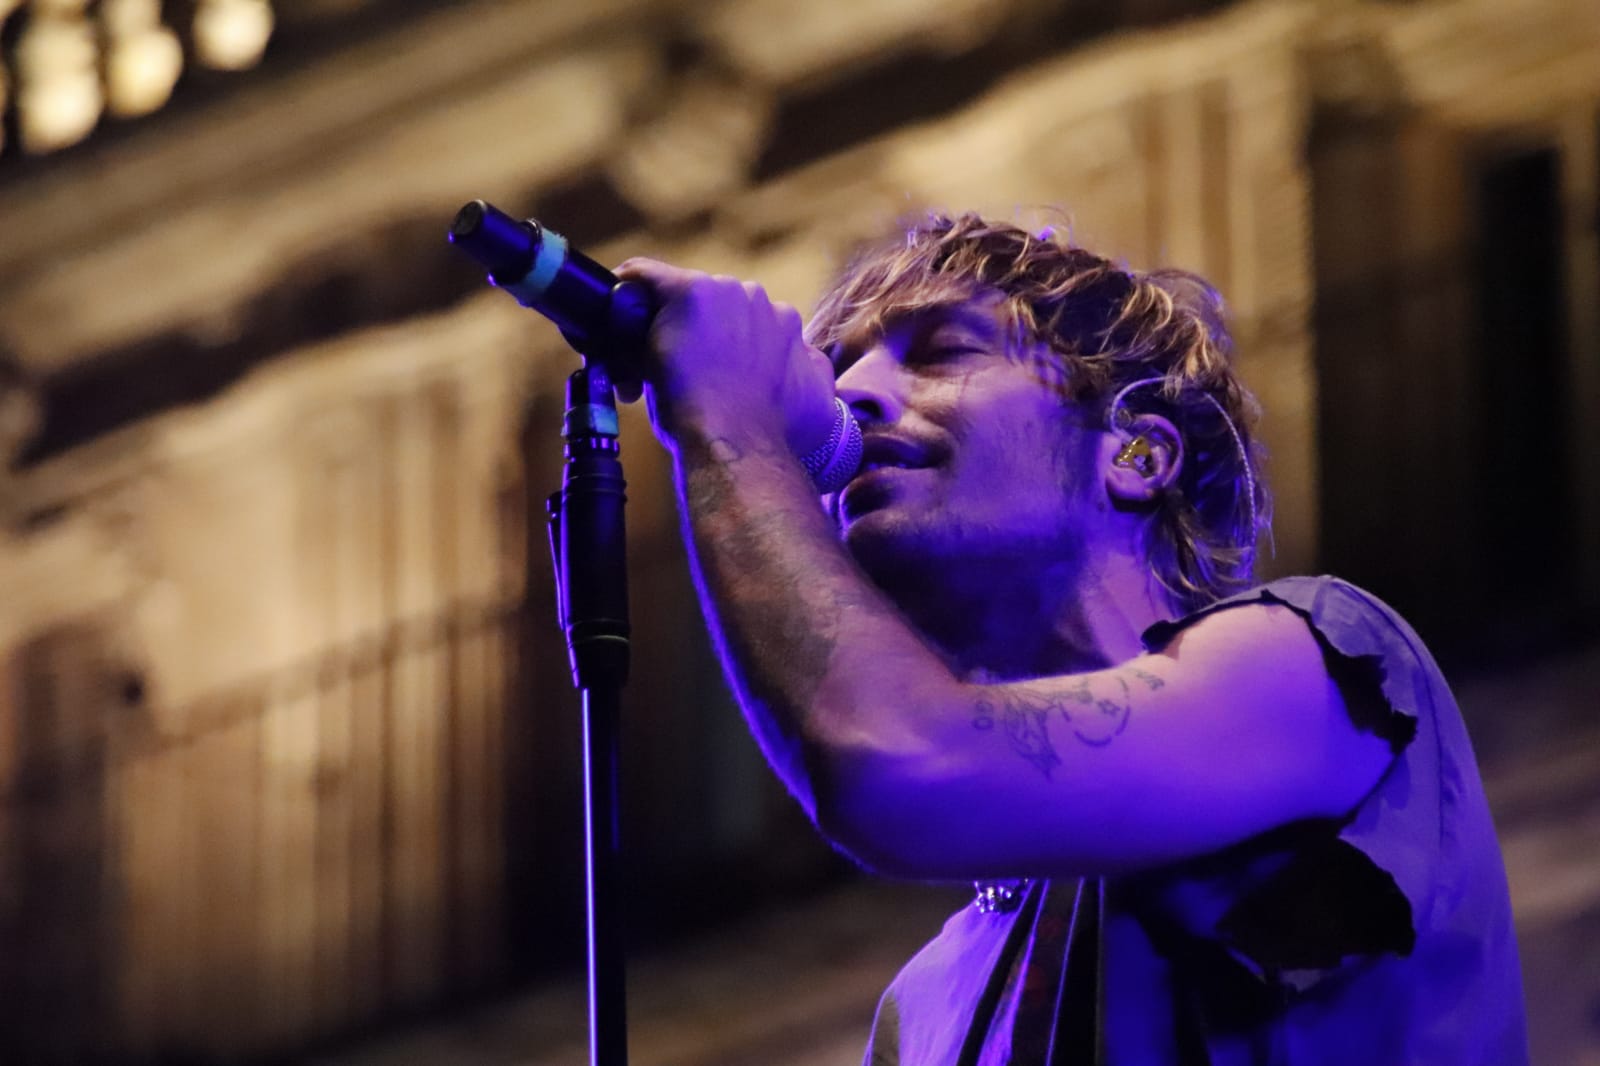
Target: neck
x,y
994,622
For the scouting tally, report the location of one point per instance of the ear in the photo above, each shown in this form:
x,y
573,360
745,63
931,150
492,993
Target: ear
x,y
1142,460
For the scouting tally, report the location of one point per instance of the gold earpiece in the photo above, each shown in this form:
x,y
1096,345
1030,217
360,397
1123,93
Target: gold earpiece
x,y
1138,455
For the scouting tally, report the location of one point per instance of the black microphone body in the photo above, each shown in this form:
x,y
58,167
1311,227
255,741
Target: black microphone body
x,y
601,316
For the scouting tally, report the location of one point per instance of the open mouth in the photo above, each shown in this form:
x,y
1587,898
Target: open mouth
x,y
886,460
883,451
871,489
872,465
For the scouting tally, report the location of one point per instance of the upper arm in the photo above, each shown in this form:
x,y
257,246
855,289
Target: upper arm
x,y
1235,728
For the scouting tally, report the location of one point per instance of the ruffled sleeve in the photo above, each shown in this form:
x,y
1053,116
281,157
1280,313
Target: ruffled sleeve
x,y
1322,895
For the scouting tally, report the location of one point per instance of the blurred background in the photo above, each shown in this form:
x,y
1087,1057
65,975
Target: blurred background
x,y
288,750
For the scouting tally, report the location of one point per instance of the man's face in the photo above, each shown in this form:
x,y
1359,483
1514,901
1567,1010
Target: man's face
x,y
971,457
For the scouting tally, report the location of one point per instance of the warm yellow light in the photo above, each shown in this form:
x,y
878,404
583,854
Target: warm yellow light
x,y
58,92
58,8
54,46
232,34
141,71
58,112
73,59
143,57
124,18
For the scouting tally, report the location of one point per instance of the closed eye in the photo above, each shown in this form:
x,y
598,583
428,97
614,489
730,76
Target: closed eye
x,y
939,355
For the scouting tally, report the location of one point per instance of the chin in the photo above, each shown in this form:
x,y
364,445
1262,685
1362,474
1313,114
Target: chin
x,y
885,545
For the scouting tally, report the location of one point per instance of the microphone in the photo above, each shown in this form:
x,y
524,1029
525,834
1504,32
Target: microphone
x,y
603,317
599,314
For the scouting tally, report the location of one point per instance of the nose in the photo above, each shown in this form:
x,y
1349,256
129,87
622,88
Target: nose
x,y
874,387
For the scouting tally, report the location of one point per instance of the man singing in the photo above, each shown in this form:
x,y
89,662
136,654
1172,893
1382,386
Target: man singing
x,y
1209,821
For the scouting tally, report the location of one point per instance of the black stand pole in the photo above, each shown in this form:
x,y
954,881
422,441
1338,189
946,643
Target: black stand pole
x,y
607,322
588,545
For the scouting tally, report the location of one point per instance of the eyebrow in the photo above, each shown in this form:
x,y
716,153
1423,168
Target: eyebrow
x,y
980,324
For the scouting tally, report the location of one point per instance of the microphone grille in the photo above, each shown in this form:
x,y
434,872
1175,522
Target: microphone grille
x,y
833,465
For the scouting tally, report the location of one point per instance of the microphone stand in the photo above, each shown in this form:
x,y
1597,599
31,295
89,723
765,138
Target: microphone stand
x,y
588,547
606,322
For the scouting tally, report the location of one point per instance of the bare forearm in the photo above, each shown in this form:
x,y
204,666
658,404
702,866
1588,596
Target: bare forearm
x,y
808,643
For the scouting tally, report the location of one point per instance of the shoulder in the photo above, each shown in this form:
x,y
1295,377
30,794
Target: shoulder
x,y
1278,630
1380,666
1322,601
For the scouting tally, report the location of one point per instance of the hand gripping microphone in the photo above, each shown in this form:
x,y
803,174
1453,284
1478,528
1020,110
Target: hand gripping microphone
x,y
601,316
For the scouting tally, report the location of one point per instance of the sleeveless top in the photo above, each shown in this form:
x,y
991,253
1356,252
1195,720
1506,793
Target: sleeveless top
x,y
1384,938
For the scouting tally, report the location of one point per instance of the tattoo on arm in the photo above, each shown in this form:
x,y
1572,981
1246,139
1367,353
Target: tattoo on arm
x,y
1100,712
747,559
1151,681
1027,727
1095,711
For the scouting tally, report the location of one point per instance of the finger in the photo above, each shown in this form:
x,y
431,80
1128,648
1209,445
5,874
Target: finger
x,y
789,317
665,279
756,294
629,390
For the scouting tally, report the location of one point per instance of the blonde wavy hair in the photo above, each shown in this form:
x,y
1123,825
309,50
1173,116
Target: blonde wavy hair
x,y
1110,330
